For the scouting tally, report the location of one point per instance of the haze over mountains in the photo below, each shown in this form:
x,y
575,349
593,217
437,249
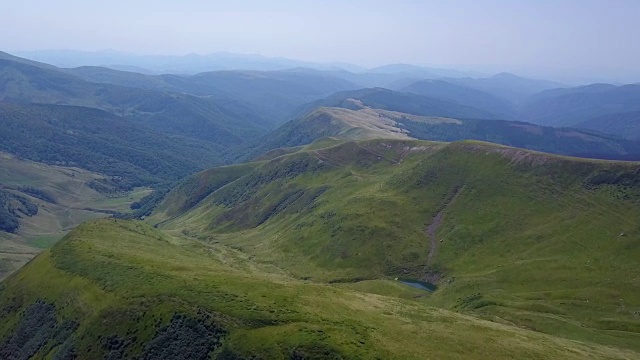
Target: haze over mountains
x,y
171,125
271,208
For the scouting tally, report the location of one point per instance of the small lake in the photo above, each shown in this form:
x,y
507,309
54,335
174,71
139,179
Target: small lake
x,y
422,285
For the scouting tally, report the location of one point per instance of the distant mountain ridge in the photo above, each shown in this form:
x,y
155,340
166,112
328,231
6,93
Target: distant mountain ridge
x,y
381,113
500,107
626,125
572,106
232,108
221,120
101,142
508,86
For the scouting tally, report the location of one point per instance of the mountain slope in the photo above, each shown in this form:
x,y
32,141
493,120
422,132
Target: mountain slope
x,y
163,64
222,121
626,125
507,86
115,289
9,57
339,124
46,201
296,257
413,71
501,108
99,141
274,93
362,117
103,75
538,240
569,107
277,93
379,98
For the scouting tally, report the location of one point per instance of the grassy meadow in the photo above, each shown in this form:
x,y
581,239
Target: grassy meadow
x,y
534,257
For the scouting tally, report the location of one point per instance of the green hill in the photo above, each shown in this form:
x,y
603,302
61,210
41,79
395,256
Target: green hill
x,y
39,203
116,289
539,241
99,141
353,121
400,115
296,257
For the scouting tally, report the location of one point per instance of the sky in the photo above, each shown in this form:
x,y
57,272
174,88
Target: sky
x,y
582,36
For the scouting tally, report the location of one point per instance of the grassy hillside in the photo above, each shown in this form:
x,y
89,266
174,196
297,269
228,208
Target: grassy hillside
x,y
534,240
192,190
339,123
46,201
358,118
114,289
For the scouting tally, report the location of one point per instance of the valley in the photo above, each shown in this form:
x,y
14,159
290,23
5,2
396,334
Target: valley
x,y
274,212
314,264
64,197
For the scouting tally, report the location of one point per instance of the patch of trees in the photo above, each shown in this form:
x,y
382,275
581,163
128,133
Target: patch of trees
x,y
38,194
11,206
38,328
315,350
145,206
610,177
116,347
185,337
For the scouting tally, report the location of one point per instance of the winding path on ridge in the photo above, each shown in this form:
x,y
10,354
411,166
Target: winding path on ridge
x,y
435,224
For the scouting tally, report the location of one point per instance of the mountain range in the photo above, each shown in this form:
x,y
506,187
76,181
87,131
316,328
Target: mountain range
x,y
307,255
297,211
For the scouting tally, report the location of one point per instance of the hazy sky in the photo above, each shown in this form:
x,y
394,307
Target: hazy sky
x,y
581,34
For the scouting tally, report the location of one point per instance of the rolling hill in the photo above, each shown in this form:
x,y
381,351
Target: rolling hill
x,y
380,113
347,235
39,203
298,256
502,231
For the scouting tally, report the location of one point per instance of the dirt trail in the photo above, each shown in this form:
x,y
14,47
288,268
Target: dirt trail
x,y
435,224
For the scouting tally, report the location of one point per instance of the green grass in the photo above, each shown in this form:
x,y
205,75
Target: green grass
x,y
75,201
43,242
532,240
536,258
123,278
